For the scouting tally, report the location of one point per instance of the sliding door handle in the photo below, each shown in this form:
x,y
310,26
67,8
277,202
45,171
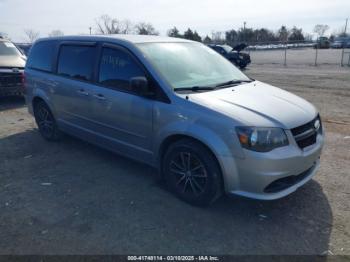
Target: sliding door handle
x,y
100,97
82,92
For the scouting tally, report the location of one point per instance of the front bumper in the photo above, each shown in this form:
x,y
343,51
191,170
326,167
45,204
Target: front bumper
x,y
245,57
272,175
11,90
11,82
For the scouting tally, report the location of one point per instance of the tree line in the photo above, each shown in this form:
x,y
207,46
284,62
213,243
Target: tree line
x,y
251,35
109,25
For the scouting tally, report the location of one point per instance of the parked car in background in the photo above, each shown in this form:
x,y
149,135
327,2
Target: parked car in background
x,y
341,42
337,44
322,43
12,63
178,106
234,55
24,48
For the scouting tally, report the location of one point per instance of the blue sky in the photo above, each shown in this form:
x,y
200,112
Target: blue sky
x,y
76,16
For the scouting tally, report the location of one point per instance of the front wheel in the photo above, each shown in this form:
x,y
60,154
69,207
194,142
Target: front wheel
x,y
46,122
192,172
242,64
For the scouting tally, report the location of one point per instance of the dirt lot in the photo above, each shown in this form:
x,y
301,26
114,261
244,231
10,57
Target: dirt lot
x,y
73,198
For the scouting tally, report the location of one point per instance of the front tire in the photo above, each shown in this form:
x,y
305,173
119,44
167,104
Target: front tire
x,y
192,172
46,122
242,64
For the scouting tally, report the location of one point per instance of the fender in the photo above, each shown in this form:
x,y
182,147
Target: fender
x,y
214,143
217,146
40,93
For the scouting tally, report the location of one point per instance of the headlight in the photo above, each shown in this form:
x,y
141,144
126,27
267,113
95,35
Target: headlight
x,y
261,139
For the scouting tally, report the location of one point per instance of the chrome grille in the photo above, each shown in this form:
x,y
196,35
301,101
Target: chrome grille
x,y
10,79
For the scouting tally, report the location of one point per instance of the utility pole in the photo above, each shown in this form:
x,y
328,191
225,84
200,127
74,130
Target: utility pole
x,y
90,29
244,34
342,53
316,54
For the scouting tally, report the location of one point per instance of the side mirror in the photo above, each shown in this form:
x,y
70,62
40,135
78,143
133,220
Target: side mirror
x,y
139,84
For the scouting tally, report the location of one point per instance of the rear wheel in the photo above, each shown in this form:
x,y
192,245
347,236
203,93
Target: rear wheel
x,y
192,172
46,122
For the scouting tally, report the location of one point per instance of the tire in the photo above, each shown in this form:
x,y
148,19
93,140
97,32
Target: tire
x,y
46,122
242,65
191,172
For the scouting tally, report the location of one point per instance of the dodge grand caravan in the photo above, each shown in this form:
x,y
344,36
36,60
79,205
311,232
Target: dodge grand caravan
x,y
178,106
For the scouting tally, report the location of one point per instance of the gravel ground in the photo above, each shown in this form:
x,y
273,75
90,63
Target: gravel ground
x,y
74,198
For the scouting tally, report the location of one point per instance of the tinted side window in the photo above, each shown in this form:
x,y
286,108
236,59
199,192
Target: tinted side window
x,y
76,61
41,55
116,69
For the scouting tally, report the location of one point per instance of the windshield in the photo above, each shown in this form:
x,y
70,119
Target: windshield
x,y
227,48
7,48
186,65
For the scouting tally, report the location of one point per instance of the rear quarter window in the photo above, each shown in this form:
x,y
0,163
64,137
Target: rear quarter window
x,y
41,55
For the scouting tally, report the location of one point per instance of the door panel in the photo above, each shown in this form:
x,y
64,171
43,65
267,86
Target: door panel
x,y
125,118
73,90
119,114
73,102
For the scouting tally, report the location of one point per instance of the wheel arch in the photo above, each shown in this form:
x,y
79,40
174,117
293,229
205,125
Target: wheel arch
x,y
41,96
36,100
169,140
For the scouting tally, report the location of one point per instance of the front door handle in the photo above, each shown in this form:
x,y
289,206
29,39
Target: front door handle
x,y
82,92
100,97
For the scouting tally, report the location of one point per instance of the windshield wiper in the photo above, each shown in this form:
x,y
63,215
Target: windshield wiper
x,y
233,82
194,88
224,84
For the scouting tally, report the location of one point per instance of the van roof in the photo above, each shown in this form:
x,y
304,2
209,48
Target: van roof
x,y
118,37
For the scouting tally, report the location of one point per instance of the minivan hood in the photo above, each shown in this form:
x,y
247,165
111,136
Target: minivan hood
x,y
12,61
258,104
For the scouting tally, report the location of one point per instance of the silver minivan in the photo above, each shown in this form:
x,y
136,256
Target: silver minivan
x,y
179,106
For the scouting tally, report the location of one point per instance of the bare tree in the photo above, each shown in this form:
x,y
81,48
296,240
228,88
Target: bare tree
x,y
56,33
340,32
107,25
283,33
308,37
145,29
31,35
126,27
218,37
321,29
